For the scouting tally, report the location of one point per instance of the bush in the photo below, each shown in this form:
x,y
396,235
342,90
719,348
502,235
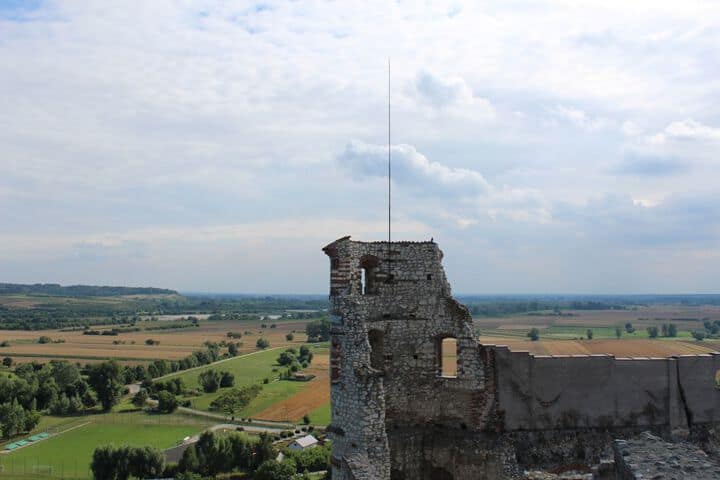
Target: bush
x,y
589,334
167,402
289,337
140,398
44,339
273,470
652,332
262,343
227,379
534,334
698,335
209,380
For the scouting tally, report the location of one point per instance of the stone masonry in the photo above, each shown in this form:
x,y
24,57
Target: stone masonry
x,y
396,415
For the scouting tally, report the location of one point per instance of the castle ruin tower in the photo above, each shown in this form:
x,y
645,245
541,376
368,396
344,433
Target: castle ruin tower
x,y
406,372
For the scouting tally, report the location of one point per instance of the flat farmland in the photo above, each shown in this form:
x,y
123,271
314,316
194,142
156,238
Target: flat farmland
x,y
130,347
686,317
313,396
279,399
619,348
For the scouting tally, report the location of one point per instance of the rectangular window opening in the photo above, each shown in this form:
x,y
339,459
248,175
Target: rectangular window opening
x,y
448,357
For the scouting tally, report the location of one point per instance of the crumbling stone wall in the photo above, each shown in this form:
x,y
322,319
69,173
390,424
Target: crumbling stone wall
x,y
538,392
395,416
386,382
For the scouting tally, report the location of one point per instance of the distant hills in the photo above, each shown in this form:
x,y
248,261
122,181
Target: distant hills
x,y
79,290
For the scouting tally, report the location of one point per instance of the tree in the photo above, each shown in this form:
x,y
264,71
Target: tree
x,y
233,349
629,328
672,330
664,329
209,380
167,402
618,332
534,334
652,332
110,463
227,379
289,337
232,401
318,330
146,462
274,470
698,335
262,343
589,334
306,419
44,339
103,463
105,380
189,461
285,358
7,361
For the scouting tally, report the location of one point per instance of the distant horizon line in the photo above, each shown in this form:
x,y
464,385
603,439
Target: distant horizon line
x,y
287,294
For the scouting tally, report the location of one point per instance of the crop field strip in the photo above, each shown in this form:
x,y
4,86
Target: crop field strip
x,y
174,344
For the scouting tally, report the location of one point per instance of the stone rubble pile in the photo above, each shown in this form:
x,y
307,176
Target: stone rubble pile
x,y
648,457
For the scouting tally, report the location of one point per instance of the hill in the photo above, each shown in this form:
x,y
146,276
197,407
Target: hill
x,y
79,290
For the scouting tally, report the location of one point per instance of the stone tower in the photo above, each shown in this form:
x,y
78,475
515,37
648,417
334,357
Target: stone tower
x,y
396,412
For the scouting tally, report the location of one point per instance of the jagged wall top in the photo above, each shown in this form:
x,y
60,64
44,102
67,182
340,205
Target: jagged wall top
x,y
381,269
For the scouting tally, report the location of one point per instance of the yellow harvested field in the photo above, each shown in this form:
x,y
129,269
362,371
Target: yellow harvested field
x,y
314,395
174,344
619,348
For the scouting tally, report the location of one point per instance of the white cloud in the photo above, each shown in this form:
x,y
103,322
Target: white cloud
x,y
581,119
412,169
691,129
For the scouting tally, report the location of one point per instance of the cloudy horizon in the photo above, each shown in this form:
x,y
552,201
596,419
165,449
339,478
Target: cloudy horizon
x,y
208,146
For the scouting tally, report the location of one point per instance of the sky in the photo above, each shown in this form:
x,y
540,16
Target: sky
x,y
216,146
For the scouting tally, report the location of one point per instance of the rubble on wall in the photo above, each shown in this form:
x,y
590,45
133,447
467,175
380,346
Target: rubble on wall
x,y
647,456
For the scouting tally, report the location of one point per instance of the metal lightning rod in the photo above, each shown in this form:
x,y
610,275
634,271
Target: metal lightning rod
x,y
389,168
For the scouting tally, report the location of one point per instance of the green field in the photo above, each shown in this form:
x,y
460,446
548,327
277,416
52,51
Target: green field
x,y
321,415
68,454
248,369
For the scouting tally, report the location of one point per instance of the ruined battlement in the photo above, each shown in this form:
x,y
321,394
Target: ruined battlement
x,y
414,396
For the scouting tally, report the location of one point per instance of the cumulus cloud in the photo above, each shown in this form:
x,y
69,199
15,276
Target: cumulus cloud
x,y
463,194
691,129
687,129
411,168
580,118
450,93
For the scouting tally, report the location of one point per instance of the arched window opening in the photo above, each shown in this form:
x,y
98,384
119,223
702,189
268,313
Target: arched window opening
x,y
377,349
447,357
368,271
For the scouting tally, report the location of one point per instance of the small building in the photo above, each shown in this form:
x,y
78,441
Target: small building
x,y
303,443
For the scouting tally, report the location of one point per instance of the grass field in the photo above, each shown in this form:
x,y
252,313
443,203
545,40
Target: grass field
x,y
68,454
281,400
312,397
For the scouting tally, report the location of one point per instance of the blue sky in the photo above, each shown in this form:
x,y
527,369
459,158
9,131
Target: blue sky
x,y
215,146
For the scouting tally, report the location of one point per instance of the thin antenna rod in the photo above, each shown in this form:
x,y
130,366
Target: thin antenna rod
x,y
389,167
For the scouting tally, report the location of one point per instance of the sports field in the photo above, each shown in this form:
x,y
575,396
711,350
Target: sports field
x,y
67,453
